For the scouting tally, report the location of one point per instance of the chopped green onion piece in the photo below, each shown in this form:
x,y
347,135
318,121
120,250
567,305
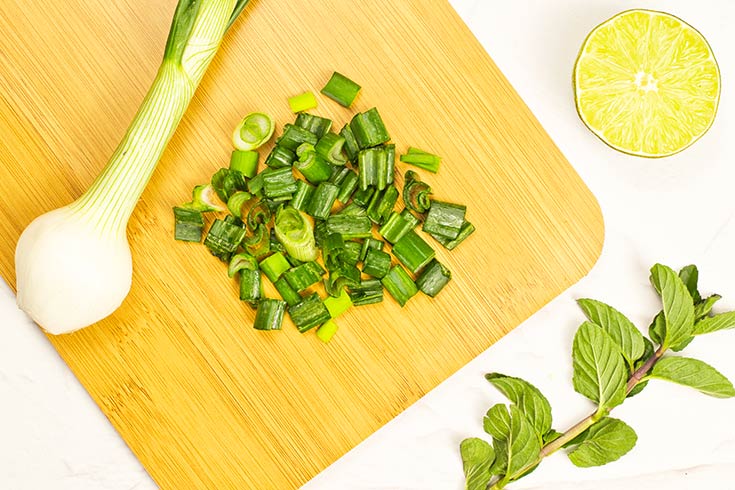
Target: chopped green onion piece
x,y
400,285
363,196
296,233
313,167
369,243
245,162
353,209
416,193
347,187
413,251
270,314
293,136
276,246
303,276
255,185
369,129
327,331
256,212
302,102
310,313
239,262
322,200
278,182
351,253
236,201
339,304
333,247
339,174
377,263
345,276
372,164
349,226
368,292
422,159
289,294
317,125
274,266
466,230
390,151
320,232
382,204
203,199
189,224
259,243
444,219
226,182
253,131
303,194
433,278
250,286
280,157
397,225
223,239
341,89
351,147
330,147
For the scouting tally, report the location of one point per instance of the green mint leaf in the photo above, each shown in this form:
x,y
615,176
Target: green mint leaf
x,y
657,330
723,321
477,457
678,305
551,436
695,374
689,275
617,325
604,442
527,397
516,442
682,345
599,370
648,351
637,389
704,307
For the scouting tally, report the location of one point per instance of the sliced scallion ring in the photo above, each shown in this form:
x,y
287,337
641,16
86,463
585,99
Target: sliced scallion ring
x,y
253,131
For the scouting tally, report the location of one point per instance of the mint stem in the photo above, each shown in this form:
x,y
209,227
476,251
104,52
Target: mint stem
x,y
583,424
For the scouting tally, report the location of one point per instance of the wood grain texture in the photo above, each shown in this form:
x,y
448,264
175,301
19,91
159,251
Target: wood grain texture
x,y
202,399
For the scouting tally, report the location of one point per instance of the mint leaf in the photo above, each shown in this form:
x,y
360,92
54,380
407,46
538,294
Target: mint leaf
x,y
551,436
599,370
477,457
695,374
617,325
527,397
516,442
604,442
711,324
704,307
678,305
657,330
689,275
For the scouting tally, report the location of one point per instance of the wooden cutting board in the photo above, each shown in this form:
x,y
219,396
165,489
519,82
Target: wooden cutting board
x,y
202,399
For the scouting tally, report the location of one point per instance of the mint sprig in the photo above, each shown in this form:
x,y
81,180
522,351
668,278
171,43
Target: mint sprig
x,y
612,361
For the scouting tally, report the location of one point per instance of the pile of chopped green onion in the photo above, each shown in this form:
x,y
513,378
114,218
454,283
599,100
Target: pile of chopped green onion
x,y
322,211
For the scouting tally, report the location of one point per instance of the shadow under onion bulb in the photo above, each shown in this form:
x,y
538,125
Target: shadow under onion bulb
x,y
73,264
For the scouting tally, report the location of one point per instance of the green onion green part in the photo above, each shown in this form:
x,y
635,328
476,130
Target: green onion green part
x,y
303,276
444,219
349,226
351,147
259,243
466,230
289,294
369,243
330,148
270,314
236,201
188,225
369,129
223,239
339,174
382,204
256,212
255,185
390,151
274,266
245,162
320,205
302,196
327,331
372,164
302,102
204,199
250,286
295,231
226,182
400,285
362,196
344,276
413,251
353,209
351,253
422,159
253,131
397,225
433,278
416,194
333,246
368,292
317,125
341,89
293,136
313,167
242,261
280,157
309,313
278,182
347,187
377,263
339,304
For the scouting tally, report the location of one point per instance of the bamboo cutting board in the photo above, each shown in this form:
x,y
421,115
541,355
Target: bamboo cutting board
x,y
202,399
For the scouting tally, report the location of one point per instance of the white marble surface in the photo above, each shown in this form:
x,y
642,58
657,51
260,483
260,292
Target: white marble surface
x,y
676,210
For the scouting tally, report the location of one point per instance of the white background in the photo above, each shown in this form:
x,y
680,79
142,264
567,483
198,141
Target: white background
x,y
675,210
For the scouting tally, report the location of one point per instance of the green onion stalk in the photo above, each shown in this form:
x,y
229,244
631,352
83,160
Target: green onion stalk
x,y
73,264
